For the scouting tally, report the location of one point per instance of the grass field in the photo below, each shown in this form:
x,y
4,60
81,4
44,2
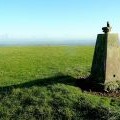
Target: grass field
x,y
38,82
21,64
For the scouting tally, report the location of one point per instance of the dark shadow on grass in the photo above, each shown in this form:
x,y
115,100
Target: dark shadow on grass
x,y
59,78
84,84
88,84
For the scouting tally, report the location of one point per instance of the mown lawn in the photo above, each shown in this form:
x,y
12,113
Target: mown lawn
x,y
21,64
38,83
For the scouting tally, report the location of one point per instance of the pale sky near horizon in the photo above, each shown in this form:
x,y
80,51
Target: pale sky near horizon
x,y
57,19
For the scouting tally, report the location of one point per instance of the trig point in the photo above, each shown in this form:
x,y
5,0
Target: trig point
x,y
106,61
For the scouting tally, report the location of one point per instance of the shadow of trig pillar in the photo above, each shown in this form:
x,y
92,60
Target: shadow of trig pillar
x,y
106,62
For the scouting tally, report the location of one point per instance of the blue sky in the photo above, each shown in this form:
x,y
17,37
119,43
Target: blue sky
x,y
57,19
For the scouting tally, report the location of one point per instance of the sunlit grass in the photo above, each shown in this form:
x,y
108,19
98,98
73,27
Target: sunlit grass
x,y
39,83
20,64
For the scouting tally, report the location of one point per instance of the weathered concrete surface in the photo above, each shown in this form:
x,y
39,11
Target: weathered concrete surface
x,y
106,60
113,59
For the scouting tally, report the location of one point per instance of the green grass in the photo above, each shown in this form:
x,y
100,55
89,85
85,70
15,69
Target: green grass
x,y
39,83
21,64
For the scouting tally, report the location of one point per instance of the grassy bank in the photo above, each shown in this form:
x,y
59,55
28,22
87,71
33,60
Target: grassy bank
x,y
56,101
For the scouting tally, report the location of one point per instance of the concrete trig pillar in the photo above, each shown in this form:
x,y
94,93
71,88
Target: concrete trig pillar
x,y
106,60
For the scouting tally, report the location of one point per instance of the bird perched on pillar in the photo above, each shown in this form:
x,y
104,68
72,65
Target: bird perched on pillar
x,y
107,29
